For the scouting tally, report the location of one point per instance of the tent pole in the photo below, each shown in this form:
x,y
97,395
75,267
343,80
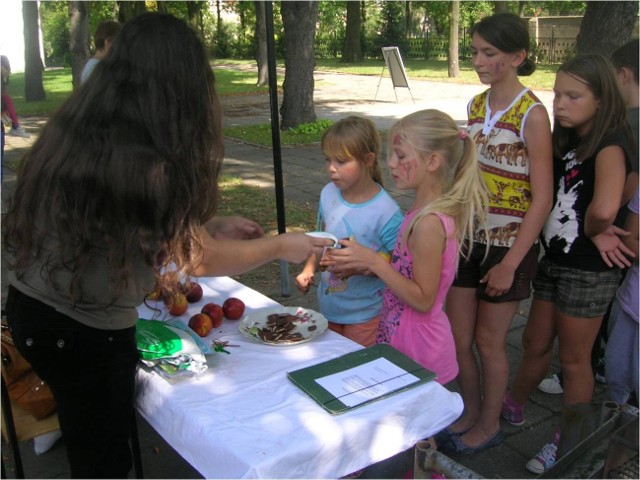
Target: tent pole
x,y
275,140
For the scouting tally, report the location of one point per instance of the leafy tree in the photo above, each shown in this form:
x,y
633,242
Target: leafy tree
x,y
54,19
331,27
33,87
299,20
605,26
391,29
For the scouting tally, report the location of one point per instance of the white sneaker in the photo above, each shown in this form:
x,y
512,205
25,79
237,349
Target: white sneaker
x,y
19,132
544,460
551,385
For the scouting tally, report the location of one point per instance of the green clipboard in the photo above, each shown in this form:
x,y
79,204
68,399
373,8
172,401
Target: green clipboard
x,y
305,378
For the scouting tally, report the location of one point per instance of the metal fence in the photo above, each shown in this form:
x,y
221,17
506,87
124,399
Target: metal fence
x,y
555,48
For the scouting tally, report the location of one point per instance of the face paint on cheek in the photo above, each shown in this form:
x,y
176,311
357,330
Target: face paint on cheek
x,y
407,168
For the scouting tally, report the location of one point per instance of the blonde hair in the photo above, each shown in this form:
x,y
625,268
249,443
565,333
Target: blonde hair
x,y
354,137
464,194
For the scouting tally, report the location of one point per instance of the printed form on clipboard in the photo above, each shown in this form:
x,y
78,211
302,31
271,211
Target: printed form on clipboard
x,y
360,377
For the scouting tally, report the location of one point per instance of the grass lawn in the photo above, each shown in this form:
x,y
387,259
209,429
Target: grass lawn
x,y
237,198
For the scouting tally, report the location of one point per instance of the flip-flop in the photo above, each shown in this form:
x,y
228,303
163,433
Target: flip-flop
x,y
443,436
456,445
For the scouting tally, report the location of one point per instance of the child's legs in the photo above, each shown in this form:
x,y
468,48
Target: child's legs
x,y
461,310
582,300
492,327
495,315
537,340
621,355
362,333
7,102
576,336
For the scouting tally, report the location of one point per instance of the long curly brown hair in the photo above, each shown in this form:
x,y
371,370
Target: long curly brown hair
x,y
127,166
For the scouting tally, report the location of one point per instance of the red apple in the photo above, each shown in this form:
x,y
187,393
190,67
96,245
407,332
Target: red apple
x,y
233,308
201,324
193,292
215,313
176,303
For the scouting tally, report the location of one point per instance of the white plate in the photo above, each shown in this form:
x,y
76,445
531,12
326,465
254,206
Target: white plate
x,y
251,324
328,235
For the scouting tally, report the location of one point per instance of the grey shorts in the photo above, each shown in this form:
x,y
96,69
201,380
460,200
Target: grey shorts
x,y
574,292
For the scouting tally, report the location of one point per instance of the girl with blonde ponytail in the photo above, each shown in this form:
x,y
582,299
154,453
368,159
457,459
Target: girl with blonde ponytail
x,y
431,156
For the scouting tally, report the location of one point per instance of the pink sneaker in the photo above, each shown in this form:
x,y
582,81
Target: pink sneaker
x,y
512,412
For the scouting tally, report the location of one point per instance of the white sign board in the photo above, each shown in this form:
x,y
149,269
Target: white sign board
x,y
394,63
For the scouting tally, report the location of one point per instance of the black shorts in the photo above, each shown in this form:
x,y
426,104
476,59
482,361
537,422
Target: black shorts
x,y
471,271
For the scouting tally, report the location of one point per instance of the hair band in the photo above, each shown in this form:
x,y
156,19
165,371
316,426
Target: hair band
x,y
462,134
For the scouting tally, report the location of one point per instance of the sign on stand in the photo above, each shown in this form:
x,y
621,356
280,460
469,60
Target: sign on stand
x,y
393,61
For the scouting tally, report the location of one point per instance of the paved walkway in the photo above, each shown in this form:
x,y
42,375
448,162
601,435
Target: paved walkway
x,y
335,97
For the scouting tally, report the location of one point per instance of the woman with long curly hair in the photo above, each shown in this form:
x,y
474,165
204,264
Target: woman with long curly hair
x,y
121,183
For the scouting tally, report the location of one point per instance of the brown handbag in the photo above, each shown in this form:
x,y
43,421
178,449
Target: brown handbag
x,y
24,386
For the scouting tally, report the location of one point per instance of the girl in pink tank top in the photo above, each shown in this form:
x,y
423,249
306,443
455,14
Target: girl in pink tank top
x,y
431,156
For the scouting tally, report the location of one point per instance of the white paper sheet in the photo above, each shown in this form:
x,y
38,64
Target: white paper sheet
x,y
366,382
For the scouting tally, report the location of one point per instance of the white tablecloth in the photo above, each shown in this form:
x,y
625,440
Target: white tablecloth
x,y
243,418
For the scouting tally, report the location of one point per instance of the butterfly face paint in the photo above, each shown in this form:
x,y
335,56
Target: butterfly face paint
x,y
402,163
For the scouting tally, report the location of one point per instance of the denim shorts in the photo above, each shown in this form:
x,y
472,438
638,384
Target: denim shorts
x,y
577,293
471,271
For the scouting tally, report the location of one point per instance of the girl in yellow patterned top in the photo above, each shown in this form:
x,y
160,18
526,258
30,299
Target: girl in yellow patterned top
x,y
513,136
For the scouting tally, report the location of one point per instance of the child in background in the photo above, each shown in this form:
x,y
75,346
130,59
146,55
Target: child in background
x,y
621,353
431,156
8,110
580,272
512,133
102,39
353,205
625,61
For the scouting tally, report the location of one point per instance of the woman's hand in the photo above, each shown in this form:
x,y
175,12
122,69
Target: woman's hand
x,y
611,248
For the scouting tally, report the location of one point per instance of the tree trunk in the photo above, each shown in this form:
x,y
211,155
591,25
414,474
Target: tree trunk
x,y
500,7
78,38
299,21
218,18
127,9
407,18
352,51
261,41
606,26
193,13
33,68
454,25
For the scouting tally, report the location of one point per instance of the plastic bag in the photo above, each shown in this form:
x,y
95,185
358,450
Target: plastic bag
x,y
171,348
